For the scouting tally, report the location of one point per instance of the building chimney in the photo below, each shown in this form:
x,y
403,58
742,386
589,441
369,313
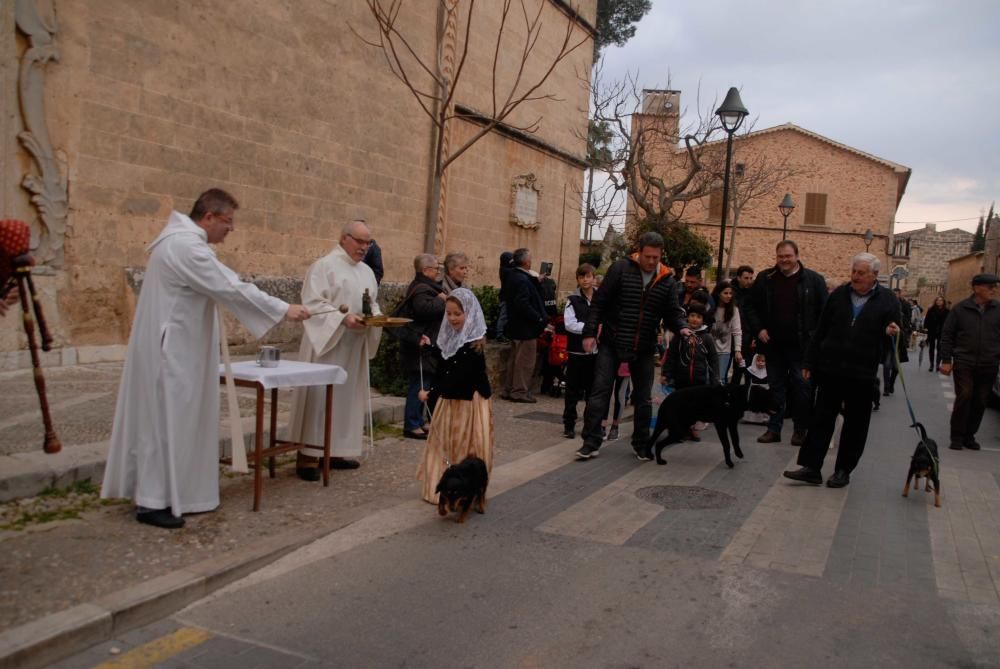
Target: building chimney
x,y
932,227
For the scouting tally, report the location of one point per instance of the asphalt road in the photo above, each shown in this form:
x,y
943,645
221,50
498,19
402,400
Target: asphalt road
x,y
616,563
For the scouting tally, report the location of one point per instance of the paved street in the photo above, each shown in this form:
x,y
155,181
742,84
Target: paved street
x,y
598,564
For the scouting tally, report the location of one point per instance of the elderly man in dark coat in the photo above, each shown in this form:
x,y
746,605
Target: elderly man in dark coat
x,y
526,319
424,303
970,340
843,357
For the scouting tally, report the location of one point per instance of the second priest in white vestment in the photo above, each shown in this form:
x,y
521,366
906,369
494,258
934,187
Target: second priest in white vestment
x,y
336,338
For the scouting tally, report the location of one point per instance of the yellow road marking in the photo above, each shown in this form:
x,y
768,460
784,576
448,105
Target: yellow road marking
x,y
158,650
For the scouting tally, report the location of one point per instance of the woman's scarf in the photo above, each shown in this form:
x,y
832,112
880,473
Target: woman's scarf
x,y
449,339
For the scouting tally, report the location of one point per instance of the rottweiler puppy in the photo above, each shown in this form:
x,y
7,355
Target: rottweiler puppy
x,y
924,463
718,404
461,486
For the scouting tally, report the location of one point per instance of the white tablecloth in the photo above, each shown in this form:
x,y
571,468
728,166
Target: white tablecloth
x,y
288,374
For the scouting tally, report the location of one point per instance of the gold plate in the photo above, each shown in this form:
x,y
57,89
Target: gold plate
x,y
386,321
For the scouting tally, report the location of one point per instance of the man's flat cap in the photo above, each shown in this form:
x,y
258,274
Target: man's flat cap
x,y
985,280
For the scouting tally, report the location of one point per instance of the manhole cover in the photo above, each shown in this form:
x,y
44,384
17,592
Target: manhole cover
x,y
543,416
685,497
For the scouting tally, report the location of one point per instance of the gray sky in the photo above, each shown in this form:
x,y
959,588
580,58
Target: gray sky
x,y
916,82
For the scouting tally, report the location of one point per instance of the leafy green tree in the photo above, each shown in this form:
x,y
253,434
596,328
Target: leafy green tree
x,y
616,21
683,247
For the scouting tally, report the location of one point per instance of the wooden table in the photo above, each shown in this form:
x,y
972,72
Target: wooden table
x,y
288,374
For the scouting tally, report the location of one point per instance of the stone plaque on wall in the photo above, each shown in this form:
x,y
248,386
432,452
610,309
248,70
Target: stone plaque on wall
x,y
525,192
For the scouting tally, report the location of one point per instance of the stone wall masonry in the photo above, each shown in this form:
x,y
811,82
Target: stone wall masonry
x,y
930,251
960,273
154,101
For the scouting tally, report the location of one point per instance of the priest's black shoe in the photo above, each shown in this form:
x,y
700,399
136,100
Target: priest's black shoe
x,y
160,518
805,475
345,463
839,479
414,434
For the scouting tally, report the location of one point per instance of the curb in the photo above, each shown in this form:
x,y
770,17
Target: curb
x,y
59,635
27,474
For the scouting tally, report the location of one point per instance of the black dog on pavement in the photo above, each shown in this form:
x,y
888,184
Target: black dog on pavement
x,y
718,404
461,486
924,463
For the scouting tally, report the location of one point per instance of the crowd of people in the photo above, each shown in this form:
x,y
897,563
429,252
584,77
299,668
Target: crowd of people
x,y
798,343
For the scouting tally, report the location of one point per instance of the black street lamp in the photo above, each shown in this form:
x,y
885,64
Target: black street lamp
x,y
786,208
869,238
731,112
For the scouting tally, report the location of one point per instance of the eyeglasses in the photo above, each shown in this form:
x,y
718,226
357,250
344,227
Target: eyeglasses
x,y
362,242
228,219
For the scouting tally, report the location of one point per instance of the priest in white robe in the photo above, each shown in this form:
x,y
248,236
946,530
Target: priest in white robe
x,y
337,338
165,442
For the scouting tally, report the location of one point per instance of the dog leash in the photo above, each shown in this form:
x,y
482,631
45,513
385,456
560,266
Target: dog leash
x,y
906,396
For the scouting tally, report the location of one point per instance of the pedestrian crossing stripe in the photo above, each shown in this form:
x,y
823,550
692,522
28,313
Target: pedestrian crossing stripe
x,y
158,650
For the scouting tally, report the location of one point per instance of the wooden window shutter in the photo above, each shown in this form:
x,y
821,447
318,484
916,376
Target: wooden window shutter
x,y
715,205
815,209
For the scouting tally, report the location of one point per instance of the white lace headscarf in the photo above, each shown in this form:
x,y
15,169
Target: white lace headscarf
x,y
449,339
755,371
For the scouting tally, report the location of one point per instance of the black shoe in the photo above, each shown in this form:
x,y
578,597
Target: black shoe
x,y
839,479
643,453
412,434
345,463
769,437
885,393
160,518
523,400
972,445
613,433
875,407
955,445
569,433
805,475
310,474
798,438
587,452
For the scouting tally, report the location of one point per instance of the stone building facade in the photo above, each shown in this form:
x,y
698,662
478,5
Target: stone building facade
x,y
925,254
150,102
840,192
960,273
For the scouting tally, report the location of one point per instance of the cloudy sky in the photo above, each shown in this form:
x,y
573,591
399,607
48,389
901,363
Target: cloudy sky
x,y
916,82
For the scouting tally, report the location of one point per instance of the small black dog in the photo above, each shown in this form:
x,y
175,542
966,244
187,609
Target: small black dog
x,y
721,405
924,463
461,486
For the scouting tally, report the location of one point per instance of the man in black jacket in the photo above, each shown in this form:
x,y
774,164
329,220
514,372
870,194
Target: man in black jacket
x,y
636,294
526,319
843,357
971,338
424,303
782,313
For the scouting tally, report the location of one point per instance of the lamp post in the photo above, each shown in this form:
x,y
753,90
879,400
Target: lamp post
x,y
786,208
591,220
869,238
731,112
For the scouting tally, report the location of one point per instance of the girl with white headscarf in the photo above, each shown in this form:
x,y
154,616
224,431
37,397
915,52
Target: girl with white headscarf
x,y
462,424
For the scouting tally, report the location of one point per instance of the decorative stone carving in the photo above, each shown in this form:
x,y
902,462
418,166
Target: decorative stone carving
x,y
36,19
524,194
